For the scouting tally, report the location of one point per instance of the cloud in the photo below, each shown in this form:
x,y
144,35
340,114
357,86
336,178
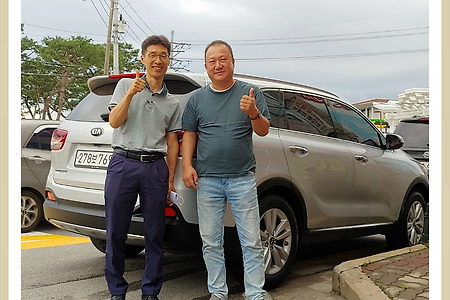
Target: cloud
x,y
331,42
195,6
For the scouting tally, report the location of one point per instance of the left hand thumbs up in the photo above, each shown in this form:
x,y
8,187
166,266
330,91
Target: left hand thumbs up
x,y
248,104
251,93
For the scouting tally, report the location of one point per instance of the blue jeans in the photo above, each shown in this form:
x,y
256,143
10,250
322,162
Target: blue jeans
x,y
212,196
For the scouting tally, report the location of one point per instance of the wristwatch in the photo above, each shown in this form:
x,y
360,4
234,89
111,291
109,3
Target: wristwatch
x,y
257,116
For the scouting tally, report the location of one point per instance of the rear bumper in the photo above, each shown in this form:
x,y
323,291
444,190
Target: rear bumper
x,y
89,220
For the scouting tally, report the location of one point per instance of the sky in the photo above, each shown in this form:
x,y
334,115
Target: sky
x,y
358,50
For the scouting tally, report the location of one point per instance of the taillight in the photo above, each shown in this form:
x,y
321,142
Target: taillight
x,y
58,139
170,212
49,195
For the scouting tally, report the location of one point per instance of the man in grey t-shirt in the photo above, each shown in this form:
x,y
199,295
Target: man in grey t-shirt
x,y
225,114
145,119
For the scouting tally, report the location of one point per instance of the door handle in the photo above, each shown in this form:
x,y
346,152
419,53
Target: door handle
x,y
297,149
361,158
37,159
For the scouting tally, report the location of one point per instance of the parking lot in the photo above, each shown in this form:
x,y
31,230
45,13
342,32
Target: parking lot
x,y
59,265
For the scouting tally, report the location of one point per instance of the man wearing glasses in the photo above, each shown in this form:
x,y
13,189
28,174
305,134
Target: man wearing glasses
x,y
145,118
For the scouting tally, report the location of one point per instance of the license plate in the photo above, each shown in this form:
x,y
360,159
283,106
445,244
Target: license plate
x,y
93,159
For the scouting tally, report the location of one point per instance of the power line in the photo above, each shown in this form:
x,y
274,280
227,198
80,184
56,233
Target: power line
x,y
150,13
57,29
99,13
54,75
274,40
137,25
104,5
135,37
329,56
139,17
45,36
284,40
129,16
331,39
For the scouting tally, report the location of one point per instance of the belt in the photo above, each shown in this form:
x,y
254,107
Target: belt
x,y
142,156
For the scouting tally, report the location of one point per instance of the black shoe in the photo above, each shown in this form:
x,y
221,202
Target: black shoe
x,y
149,297
118,297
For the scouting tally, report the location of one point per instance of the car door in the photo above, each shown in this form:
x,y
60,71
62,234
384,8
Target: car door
x,y
319,164
36,155
377,174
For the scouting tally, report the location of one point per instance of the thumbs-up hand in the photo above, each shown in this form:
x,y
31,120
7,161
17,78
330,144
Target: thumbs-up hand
x,y
138,84
248,104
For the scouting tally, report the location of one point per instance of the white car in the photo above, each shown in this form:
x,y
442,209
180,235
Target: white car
x,y
323,172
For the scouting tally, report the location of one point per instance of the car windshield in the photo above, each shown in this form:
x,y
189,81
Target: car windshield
x,y
90,108
415,134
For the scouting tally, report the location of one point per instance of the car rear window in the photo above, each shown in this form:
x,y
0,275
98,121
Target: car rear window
x,y
180,87
95,105
90,109
414,134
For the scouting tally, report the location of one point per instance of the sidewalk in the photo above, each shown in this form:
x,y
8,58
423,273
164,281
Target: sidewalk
x,y
400,275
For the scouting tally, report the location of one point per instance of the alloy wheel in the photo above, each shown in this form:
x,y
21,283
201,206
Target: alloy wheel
x,y
276,239
29,211
415,222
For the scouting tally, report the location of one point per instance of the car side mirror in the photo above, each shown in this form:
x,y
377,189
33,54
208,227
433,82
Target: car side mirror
x,y
394,141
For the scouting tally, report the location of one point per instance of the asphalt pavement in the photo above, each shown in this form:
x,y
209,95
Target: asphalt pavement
x,y
399,275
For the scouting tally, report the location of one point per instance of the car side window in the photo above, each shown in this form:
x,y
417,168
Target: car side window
x,y
273,101
307,113
351,126
41,140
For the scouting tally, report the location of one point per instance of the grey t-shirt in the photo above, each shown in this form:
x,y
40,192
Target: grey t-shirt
x,y
225,146
150,116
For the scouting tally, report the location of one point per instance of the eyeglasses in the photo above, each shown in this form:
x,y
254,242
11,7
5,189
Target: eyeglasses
x,y
153,56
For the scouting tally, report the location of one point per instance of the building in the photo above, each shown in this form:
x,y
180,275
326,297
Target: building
x,y
387,113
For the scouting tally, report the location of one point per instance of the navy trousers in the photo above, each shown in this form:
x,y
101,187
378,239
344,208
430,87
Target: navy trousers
x,y
126,178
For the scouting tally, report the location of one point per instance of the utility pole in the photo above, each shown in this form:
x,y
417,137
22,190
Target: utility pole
x,y
172,34
108,39
112,24
177,48
116,37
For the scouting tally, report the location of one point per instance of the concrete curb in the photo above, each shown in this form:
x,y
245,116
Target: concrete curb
x,y
350,282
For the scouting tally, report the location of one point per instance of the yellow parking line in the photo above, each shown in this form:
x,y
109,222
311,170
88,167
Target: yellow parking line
x,y
50,240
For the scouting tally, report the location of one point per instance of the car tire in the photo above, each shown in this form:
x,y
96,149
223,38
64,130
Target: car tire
x,y
409,228
130,251
32,211
279,240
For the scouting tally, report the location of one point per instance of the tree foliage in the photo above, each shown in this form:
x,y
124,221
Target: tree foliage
x,y
55,72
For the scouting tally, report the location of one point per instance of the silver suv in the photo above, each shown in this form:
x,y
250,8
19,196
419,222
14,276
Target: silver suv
x,y
323,172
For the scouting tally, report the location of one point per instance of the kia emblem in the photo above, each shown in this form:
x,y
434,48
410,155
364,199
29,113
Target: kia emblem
x,y
97,131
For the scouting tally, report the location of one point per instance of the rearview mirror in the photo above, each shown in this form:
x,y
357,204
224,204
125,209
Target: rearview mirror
x,y
394,141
